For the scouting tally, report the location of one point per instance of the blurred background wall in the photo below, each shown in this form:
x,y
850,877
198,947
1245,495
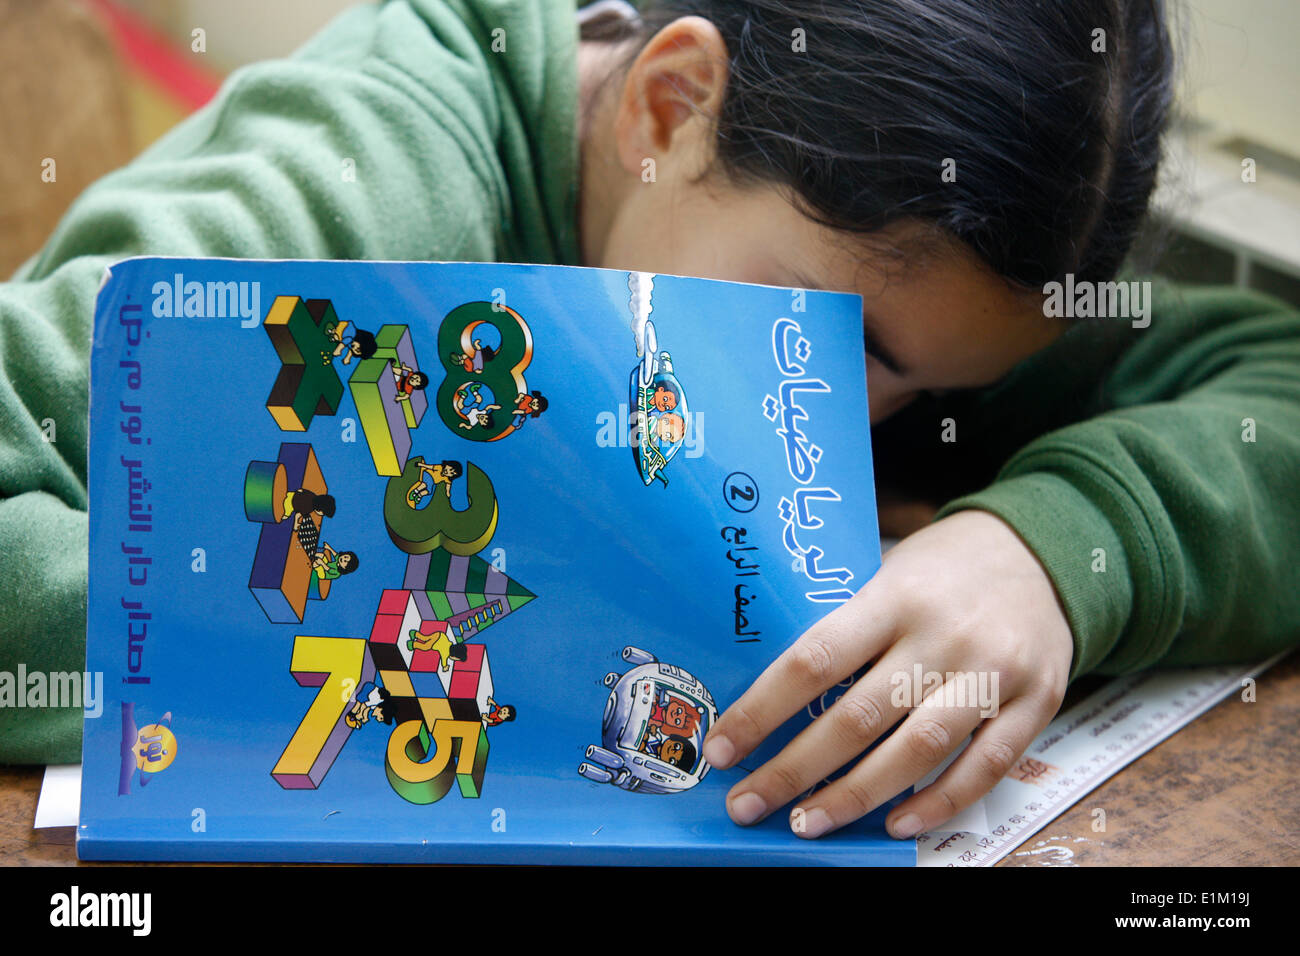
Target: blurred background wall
x,y
1242,68
78,73
241,31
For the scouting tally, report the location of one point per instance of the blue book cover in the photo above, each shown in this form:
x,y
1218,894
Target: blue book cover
x,y
458,562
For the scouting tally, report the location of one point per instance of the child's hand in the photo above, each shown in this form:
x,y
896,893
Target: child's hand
x,y
962,595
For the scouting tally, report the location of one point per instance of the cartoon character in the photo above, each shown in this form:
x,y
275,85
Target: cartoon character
x,y
443,472
438,640
652,736
472,361
498,713
664,397
335,330
672,749
677,751
660,414
669,428
360,344
470,405
408,380
328,564
369,701
528,406
302,504
671,725
670,711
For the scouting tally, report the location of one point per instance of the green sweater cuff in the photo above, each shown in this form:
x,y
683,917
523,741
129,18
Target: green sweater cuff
x,y
1084,554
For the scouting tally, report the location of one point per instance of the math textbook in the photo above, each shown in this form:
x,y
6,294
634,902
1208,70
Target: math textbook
x,y
458,562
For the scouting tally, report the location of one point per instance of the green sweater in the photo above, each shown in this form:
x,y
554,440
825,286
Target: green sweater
x,y
407,131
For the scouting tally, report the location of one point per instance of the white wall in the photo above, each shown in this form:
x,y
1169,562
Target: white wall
x,y
1241,57
1242,68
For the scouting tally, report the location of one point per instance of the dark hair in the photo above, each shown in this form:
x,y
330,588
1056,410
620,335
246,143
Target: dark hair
x,y
352,565
511,716
451,464
688,753
542,404
668,387
488,353
385,696
365,343
305,502
424,379
1056,147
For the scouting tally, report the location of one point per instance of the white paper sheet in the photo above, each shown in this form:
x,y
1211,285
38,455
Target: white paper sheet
x,y
59,804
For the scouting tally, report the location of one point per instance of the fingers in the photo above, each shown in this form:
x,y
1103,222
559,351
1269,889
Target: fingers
x,y
829,651
992,752
920,744
862,714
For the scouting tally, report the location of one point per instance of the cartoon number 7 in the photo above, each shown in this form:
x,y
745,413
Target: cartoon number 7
x,y
329,663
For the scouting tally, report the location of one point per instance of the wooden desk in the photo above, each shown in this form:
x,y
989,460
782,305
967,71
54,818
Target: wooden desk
x,y
1223,791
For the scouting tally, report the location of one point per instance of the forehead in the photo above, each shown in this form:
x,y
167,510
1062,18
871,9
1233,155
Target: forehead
x,y
928,300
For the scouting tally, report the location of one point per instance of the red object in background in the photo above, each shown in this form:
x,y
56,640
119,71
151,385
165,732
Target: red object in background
x,y
162,64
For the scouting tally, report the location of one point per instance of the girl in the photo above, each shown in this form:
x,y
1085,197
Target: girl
x,y
1080,494
947,159
328,564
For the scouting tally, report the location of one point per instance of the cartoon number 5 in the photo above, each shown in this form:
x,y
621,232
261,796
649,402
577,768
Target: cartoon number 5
x,y
421,765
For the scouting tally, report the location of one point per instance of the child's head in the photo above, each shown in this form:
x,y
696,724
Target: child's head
x,y
678,751
363,344
664,397
383,711
942,158
670,428
681,716
305,502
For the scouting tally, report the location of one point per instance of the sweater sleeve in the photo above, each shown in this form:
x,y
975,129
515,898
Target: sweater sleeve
x,y
1170,522
377,140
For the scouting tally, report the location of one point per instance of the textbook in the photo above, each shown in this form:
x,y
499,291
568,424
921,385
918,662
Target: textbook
x,y
458,562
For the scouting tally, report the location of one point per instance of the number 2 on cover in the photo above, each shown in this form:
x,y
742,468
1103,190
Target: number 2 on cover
x,y
327,663
452,749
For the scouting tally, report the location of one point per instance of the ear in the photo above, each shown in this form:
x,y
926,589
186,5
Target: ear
x,y
671,97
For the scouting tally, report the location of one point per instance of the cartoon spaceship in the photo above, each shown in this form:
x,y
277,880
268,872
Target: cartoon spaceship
x,y
652,737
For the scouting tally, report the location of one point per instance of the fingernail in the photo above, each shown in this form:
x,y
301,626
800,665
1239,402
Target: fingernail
x,y
815,822
719,752
908,825
747,808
